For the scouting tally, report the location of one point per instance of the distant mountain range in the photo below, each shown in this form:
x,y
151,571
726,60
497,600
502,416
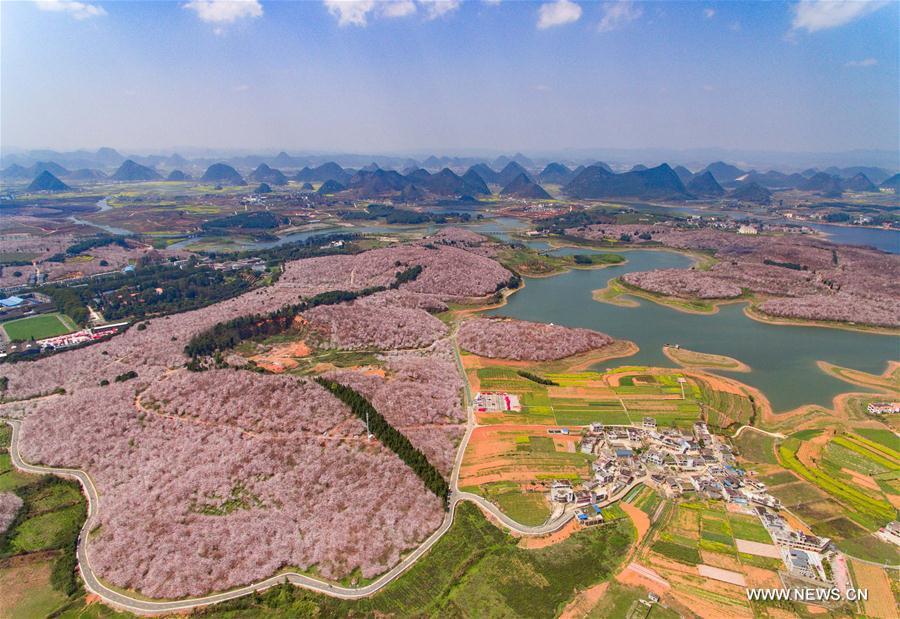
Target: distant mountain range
x,y
876,165
892,183
751,192
222,173
46,181
444,177
523,187
704,185
132,171
722,172
595,181
178,175
264,174
556,174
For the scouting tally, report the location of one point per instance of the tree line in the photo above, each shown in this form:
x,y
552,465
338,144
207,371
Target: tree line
x,y
537,379
390,437
225,335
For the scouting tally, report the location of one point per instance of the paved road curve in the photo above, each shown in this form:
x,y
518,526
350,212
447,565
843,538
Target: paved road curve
x,y
148,607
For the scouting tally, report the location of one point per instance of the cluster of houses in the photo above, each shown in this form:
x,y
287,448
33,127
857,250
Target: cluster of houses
x,y
669,460
883,408
890,532
803,555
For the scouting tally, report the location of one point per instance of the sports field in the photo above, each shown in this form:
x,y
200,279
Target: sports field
x,y
38,327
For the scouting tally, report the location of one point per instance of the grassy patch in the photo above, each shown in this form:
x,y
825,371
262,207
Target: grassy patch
x,y
25,591
474,570
871,548
805,435
887,438
843,453
528,508
756,447
749,528
871,511
678,552
779,478
540,444
37,327
622,601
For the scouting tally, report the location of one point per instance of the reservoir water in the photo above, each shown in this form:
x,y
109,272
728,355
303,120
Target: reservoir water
x,y
783,358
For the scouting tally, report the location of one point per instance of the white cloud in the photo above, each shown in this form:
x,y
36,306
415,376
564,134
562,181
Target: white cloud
x,y
358,12
241,88
224,11
398,8
709,88
350,12
542,88
709,13
78,10
438,8
815,15
865,62
558,13
617,14
492,2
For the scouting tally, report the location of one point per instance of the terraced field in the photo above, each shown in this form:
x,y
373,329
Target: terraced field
x,y
697,533
846,496
582,398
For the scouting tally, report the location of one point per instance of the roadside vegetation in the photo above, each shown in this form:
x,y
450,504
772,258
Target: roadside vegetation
x,y
38,573
475,570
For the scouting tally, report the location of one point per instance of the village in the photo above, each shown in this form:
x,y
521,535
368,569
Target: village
x,y
678,463
674,463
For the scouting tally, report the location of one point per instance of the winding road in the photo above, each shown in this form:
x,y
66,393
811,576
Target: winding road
x,y
142,606
760,430
138,605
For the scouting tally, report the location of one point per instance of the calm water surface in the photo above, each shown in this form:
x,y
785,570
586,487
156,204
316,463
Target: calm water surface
x,y
782,358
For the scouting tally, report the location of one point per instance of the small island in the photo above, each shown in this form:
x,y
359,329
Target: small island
x,y
703,361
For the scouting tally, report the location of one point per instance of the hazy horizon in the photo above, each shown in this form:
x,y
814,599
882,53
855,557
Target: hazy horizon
x,y
445,78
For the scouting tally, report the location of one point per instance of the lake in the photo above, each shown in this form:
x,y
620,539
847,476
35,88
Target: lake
x,y
783,358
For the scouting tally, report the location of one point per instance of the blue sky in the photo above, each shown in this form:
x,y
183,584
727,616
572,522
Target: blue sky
x,y
414,76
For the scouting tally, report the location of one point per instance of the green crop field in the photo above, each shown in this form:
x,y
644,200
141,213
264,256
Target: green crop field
x,y
647,501
756,447
38,327
475,570
48,523
779,478
805,435
872,511
619,600
888,456
887,438
682,554
748,528
539,444
528,508
843,453
538,406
